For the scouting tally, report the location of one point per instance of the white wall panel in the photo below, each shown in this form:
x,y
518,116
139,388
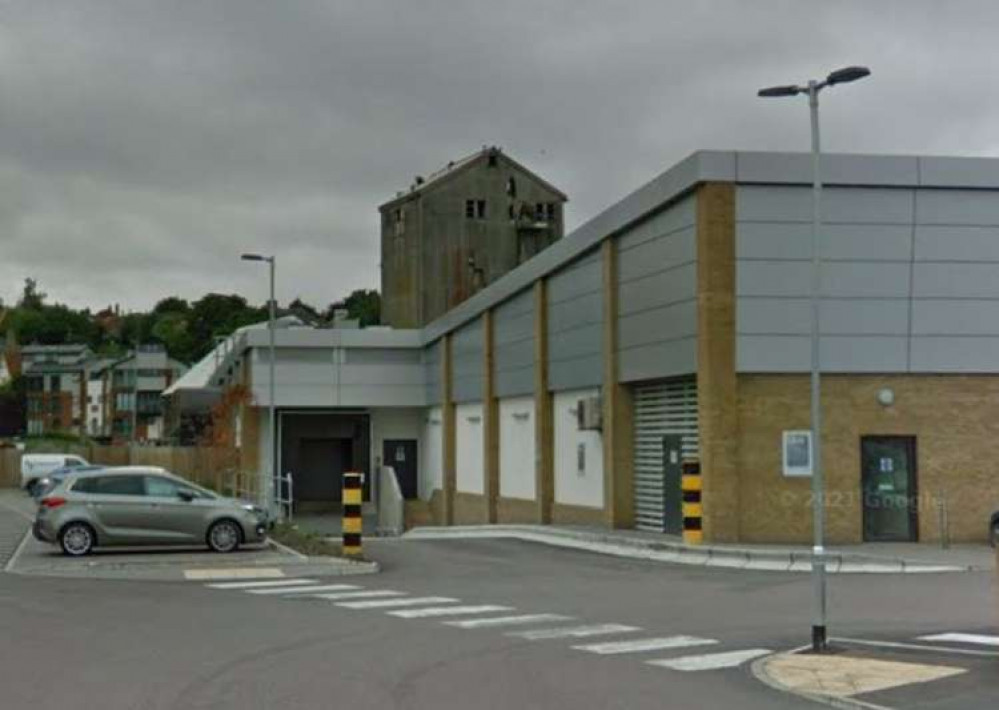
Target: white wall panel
x,y
517,448
576,484
469,445
432,453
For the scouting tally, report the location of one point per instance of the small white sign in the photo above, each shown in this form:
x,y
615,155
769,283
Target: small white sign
x,y
797,453
674,457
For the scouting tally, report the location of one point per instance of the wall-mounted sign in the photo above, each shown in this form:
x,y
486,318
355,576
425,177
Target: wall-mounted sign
x,y
797,453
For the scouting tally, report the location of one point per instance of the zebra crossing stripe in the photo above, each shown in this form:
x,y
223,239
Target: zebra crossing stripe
x,y
977,639
507,621
221,573
304,590
260,585
710,661
650,644
573,632
448,611
386,603
360,595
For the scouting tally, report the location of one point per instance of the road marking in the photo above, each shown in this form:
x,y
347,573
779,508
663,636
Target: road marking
x,y
304,590
259,585
915,647
234,573
963,638
385,603
18,550
448,611
507,621
573,632
710,661
639,645
361,595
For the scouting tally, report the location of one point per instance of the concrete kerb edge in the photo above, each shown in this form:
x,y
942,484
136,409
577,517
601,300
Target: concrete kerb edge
x,y
759,670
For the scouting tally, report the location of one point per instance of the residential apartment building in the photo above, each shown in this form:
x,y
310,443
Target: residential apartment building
x,y
458,230
132,388
56,381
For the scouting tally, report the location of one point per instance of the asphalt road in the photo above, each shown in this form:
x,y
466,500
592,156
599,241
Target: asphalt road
x,y
128,644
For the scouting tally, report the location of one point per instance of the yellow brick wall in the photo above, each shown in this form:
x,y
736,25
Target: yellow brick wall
x,y
953,418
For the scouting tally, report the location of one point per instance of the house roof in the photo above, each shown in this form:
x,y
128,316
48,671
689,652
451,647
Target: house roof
x,y
456,167
55,349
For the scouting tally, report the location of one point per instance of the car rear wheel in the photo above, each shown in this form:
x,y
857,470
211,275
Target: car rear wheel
x,y
77,539
224,536
994,533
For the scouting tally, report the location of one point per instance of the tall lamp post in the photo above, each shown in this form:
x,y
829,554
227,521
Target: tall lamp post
x,y
266,492
812,89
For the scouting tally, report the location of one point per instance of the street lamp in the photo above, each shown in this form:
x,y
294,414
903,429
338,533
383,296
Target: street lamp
x,y
272,433
840,76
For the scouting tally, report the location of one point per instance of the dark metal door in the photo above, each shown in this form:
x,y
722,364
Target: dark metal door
x,y
672,495
400,454
888,482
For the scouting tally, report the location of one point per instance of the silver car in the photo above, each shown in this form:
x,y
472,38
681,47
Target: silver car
x,y
142,506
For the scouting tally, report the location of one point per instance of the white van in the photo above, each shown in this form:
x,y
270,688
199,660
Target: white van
x,y
37,466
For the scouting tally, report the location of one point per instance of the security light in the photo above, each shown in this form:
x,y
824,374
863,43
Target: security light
x,y
846,75
780,91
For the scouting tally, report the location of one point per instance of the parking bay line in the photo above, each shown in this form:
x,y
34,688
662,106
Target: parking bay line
x,y
388,603
304,589
507,621
448,611
648,644
261,585
710,661
573,632
915,647
977,639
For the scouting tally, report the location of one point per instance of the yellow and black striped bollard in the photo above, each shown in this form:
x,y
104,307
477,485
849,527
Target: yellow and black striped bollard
x,y
352,514
690,484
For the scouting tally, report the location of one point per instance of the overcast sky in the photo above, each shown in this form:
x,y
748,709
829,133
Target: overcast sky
x,y
144,145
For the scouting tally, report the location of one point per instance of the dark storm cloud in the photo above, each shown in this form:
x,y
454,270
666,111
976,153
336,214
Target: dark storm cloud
x,y
143,145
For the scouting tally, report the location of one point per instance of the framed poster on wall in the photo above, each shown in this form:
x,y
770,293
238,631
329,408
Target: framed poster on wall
x,y
797,453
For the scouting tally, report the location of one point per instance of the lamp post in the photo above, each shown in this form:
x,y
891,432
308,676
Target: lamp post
x,y
266,491
812,89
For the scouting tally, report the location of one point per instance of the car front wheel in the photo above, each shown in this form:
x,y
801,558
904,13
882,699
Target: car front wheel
x,y
224,536
77,539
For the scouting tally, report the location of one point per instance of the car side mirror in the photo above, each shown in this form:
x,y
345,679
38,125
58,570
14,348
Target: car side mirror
x,y
186,496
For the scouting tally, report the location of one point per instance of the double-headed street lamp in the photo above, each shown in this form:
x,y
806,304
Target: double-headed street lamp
x,y
812,89
266,493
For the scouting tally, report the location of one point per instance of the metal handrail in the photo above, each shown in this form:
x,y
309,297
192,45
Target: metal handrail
x,y
285,505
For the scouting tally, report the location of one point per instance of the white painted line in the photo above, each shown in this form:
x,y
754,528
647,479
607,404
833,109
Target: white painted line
x,y
915,647
448,611
286,550
387,603
18,550
710,661
234,573
573,632
257,585
310,588
361,595
964,638
639,645
507,621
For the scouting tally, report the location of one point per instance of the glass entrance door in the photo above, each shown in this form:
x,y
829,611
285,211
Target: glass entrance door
x,y
888,482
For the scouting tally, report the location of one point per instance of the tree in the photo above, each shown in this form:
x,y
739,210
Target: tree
x,y
31,297
172,304
363,304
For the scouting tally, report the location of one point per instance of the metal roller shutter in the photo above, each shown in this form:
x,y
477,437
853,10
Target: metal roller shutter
x,y
668,407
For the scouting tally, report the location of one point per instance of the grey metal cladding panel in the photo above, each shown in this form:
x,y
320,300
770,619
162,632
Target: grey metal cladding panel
x,y
522,303
658,290
957,243
568,285
511,383
381,375
467,388
648,327
574,343
580,311
959,172
974,207
793,316
853,205
839,279
793,240
647,362
585,371
514,329
791,353
432,371
657,254
675,218
956,280
955,317
955,354
467,352
834,169
514,355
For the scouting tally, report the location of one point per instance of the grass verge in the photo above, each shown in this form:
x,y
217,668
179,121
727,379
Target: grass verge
x,y
307,543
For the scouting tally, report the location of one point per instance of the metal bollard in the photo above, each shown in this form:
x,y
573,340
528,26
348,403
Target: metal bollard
x,y
690,484
352,483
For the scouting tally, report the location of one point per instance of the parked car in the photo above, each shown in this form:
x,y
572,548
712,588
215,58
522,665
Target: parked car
x,y
994,529
140,505
47,483
36,466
